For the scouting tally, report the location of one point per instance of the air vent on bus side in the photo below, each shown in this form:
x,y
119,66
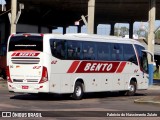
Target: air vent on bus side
x,y
25,60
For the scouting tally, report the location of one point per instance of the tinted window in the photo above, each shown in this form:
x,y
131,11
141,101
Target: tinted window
x,y
26,43
142,58
89,51
74,50
58,48
144,62
139,51
103,51
117,51
80,50
129,53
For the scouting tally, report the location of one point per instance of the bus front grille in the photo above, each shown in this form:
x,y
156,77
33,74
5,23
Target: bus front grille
x,y
32,80
17,80
25,60
27,80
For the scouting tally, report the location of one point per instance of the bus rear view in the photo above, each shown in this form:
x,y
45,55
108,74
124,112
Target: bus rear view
x,y
25,69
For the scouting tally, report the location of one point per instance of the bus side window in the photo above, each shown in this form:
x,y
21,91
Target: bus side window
x,y
89,51
73,50
70,50
144,62
103,51
58,48
78,53
129,53
117,53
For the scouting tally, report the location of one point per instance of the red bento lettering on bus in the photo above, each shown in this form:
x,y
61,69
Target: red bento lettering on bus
x,y
97,67
25,54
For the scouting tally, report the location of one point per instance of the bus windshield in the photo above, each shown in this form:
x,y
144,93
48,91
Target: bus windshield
x,y
144,62
26,43
142,58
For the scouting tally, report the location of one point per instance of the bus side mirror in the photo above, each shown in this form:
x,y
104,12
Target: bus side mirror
x,y
152,56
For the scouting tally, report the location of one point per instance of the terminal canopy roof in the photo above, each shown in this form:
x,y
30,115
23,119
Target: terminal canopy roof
x,y
66,12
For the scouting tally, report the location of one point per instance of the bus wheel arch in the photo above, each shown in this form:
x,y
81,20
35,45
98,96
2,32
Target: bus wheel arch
x,y
132,87
78,89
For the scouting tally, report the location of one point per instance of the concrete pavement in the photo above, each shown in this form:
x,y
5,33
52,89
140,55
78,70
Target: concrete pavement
x,y
144,99
3,83
150,99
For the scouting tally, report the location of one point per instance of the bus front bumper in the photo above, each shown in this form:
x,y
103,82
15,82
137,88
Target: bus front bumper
x,y
28,88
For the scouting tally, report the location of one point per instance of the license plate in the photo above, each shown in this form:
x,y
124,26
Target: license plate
x,y
25,87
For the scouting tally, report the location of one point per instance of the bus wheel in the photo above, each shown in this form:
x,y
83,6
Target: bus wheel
x,y
78,91
132,89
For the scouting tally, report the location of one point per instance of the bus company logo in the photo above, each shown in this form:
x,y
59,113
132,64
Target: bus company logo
x,y
25,54
97,67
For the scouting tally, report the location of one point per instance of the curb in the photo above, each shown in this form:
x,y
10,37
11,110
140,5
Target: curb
x,y
154,87
150,99
146,102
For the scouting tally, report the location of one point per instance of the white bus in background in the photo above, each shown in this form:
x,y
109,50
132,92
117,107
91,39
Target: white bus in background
x,y
75,64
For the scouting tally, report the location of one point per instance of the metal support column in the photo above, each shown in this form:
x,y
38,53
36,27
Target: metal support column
x,y
112,29
64,29
91,12
151,41
50,29
13,16
39,28
95,28
131,30
79,28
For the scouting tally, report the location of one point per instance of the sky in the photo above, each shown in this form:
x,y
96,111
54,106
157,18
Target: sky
x,y
2,2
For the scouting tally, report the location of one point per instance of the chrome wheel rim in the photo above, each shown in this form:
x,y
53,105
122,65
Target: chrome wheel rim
x,y
78,91
131,88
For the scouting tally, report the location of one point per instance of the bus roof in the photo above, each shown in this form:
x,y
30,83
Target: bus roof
x,y
99,38
86,37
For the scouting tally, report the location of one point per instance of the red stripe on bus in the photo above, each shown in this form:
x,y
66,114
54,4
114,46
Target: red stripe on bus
x,y
73,67
121,67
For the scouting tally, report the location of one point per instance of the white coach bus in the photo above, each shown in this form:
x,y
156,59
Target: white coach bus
x,y
75,64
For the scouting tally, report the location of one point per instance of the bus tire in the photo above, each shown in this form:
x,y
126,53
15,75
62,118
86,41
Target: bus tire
x,y
78,91
132,89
